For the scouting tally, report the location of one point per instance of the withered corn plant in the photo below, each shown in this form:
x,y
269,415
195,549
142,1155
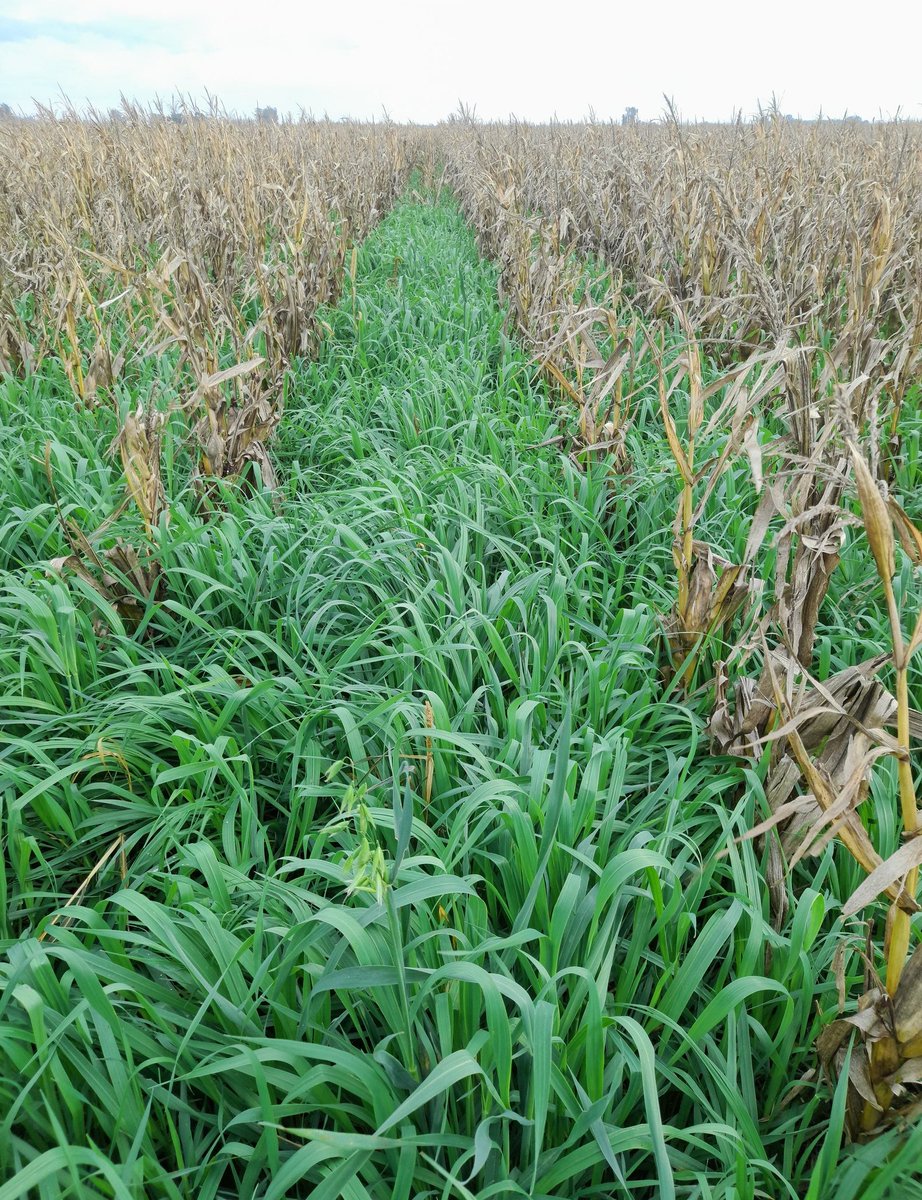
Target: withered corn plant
x,y
126,573
706,601
887,1060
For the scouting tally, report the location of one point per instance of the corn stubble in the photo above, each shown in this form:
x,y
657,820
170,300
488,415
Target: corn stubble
x,y
786,257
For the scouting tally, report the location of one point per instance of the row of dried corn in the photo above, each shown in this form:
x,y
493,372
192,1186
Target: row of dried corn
x,y
206,244
771,274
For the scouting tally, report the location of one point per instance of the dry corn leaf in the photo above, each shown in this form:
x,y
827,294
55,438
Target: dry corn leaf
x,y
884,876
876,516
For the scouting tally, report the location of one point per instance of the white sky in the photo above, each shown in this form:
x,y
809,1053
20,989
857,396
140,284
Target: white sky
x,y
418,60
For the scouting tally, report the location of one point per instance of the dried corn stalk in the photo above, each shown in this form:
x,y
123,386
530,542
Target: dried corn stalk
x,y
233,430
139,448
127,577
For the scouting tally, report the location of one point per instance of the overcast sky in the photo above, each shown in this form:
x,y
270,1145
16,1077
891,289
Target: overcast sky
x,y
417,60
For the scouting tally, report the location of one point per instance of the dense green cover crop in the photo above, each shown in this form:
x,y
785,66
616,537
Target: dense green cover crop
x,y
546,981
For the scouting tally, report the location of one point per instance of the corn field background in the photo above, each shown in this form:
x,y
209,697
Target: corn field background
x,y
458,690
